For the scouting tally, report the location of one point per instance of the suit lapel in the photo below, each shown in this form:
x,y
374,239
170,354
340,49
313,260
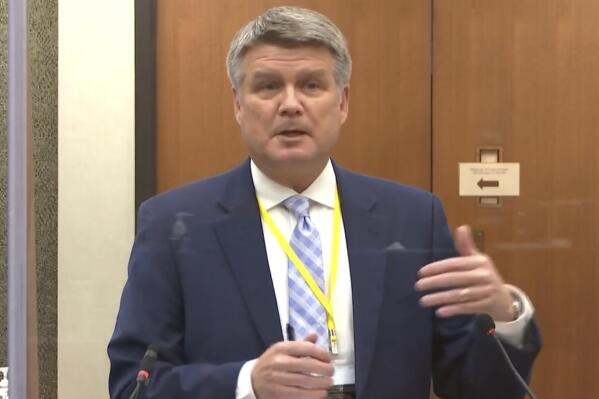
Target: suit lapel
x,y
242,239
364,231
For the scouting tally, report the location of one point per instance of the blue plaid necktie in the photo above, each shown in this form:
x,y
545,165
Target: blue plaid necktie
x,y
306,314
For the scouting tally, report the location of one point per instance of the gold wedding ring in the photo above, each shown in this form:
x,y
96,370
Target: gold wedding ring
x,y
464,295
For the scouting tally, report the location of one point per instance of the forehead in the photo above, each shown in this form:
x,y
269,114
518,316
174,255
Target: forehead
x,y
272,58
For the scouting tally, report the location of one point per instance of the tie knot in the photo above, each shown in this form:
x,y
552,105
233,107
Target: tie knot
x,y
298,205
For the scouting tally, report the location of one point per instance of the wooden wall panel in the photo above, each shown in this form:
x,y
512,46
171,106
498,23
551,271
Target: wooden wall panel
x,y
388,130
523,76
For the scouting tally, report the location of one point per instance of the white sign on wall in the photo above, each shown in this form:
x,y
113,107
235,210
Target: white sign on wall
x,y
489,179
3,382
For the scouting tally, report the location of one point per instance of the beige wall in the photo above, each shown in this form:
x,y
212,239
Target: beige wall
x,y
96,184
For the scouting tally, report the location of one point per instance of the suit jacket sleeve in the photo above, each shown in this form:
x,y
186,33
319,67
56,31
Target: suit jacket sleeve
x,y
151,312
467,364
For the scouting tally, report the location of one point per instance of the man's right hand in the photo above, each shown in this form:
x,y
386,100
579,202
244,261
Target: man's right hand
x,y
293,370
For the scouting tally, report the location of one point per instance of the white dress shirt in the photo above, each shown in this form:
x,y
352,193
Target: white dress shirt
x,y
321,194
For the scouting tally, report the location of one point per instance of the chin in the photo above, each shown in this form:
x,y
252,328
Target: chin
x,y
297,159
290,155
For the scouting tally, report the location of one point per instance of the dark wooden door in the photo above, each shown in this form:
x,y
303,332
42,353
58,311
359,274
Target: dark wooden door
x,y
524,76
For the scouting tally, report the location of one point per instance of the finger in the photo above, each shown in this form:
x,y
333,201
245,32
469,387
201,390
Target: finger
x,y
452,264
464,242
456,296
463,308
304,381
283,363
305,349
468,278
307,365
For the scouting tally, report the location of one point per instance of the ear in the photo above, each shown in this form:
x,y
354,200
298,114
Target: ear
x,y
236,105
344,104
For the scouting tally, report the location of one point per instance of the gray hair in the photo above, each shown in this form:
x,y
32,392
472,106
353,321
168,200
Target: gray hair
x,y
290,27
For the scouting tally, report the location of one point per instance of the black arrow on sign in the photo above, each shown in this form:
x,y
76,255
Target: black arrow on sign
x,y
489,183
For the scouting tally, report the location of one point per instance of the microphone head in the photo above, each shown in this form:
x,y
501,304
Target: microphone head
x,y
152,352
485,324
149,358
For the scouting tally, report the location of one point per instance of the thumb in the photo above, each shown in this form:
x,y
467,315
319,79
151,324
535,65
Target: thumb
x,y
464,242
312,337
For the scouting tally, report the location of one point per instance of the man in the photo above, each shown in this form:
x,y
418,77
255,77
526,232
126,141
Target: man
x,y
362,272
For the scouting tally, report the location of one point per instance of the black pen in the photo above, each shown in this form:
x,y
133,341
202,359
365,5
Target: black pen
x,y
290,332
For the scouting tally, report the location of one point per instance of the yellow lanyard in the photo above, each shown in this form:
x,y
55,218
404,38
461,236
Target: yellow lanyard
x,y
325,301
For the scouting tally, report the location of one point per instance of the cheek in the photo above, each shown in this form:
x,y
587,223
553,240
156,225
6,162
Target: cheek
x,y
330,116
255,124
259,113
328,107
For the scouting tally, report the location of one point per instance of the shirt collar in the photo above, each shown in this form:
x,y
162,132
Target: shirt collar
x,y
322,190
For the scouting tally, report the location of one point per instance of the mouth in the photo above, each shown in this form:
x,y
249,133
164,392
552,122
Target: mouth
x,y
292,132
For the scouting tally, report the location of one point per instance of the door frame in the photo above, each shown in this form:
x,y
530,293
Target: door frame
x,y
145,100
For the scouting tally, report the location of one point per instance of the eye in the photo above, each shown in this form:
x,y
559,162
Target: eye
x,y
268,86
312,85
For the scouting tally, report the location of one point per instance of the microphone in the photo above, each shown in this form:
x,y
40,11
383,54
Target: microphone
x,y
486,325
145,367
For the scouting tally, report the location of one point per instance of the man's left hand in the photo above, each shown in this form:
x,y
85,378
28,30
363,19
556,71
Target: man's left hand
x,y
467,284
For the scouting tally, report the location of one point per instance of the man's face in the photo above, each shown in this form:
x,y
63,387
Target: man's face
x,y
289,106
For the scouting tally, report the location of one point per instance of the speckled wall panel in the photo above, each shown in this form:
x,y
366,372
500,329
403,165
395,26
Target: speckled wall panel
x,y
43,42
43,51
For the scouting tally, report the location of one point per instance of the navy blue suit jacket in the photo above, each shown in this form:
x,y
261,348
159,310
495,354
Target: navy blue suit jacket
x,y
199,288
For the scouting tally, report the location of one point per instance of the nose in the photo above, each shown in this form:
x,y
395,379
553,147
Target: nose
x,y
290,103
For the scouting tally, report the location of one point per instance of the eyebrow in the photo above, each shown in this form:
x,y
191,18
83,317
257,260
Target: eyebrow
x,y
262,74
317,73
265,74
